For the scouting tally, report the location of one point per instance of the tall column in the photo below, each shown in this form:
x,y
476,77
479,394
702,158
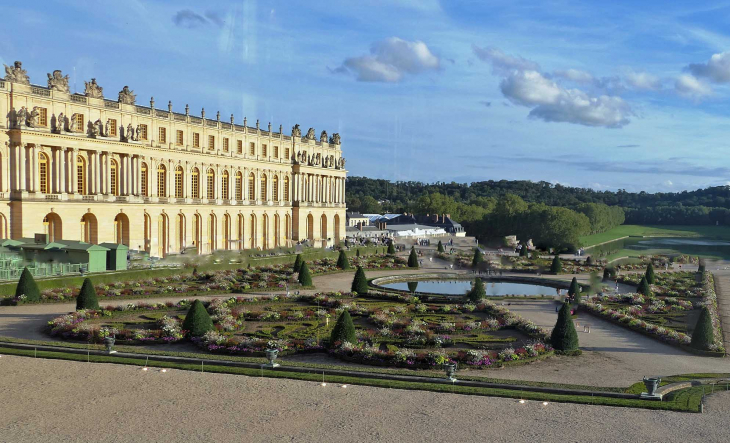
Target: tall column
x,y
108,172
5,172
63,165
55,185
22,166
96,171
73,172
33,160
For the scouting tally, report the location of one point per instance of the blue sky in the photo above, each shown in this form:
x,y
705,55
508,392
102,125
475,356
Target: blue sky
x,y
606,95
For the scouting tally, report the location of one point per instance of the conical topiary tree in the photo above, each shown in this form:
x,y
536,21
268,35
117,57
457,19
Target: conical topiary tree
x,y
305,278
297,263
701,268
360,282
703,336
440,247
87,296
556,267
357,252
342,261
524,251
413,258
574,288
27,286
344,330
649,275
197,321
477,292
644,287
606,274
477,258
391,248
564,338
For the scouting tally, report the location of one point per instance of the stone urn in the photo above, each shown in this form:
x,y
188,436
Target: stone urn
x,y
109,343
651,383
271,355
450,369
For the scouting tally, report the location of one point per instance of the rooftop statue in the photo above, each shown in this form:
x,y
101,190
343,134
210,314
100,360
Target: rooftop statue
x,y
93,90
127,96
295,131
17,74
310,134
20,117
335,140
323,137
58,82
33,117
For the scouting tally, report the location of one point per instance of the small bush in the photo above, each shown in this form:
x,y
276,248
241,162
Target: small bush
x,y
477,292
305,278
297,263
440,247
87,296
649,275
413,258
524,251
360,282
28,287
564,338
644,287
342,261
574,288
197,321
344,330
556,267
391,248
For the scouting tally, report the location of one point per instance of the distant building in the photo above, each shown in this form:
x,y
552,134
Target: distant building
x,y
355,218
443,221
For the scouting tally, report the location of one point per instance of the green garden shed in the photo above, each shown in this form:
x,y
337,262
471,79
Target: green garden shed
x,y
116,256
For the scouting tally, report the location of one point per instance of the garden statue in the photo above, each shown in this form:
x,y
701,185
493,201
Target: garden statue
x,y
127,96
93,90
109,343
17,74
58,82
450,369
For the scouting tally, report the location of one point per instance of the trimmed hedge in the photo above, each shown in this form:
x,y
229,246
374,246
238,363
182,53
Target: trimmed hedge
x,y
344,330
703,336
564,338
556,267
305,278
27,286
413,258
197,321
87,296
360,282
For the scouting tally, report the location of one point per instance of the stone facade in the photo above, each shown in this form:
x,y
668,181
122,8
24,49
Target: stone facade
x,y
82,167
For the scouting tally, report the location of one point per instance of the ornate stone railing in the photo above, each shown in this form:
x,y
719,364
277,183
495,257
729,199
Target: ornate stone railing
x,y
79,98
162,114
226,126
196,201
40,91
110,104
211,123
180,118
143,110
196,120
52,197
163,199
120,198
88,198
252,131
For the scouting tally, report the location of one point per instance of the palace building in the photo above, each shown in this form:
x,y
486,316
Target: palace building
x,y
83,167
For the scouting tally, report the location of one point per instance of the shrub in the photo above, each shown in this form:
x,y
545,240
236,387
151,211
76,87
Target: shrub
x,y
701,268
644,287
342,261
360,282
412,286
574,288
197,321
27,286
391,248
649,275
413,258
357,252
703,337
478,258
524,251
297,263
564,338
305,278
87,296
344,330
557,266
440,247
589,260
477,292
607,274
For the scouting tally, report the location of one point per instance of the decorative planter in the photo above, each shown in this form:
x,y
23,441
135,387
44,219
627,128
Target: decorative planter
x,y
651,384
450,369
109,343
271,355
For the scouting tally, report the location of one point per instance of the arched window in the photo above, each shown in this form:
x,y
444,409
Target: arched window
x,y
263,187
239,186
251,186
195,183
211,184
80,175
161,180
179,182
43,172
286,189
275,188
114,177
224,186
144,188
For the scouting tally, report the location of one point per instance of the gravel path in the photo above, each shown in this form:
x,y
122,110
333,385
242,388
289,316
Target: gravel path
x,y
64,401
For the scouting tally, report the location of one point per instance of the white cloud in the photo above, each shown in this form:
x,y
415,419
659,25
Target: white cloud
x,y
690,86
576,75
553,103
717,69
503,63
643,80
390,59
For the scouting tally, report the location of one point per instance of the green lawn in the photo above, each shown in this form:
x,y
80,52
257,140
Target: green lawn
x,y
713,232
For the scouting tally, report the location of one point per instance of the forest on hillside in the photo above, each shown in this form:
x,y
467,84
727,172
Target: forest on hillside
x,y
553,215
